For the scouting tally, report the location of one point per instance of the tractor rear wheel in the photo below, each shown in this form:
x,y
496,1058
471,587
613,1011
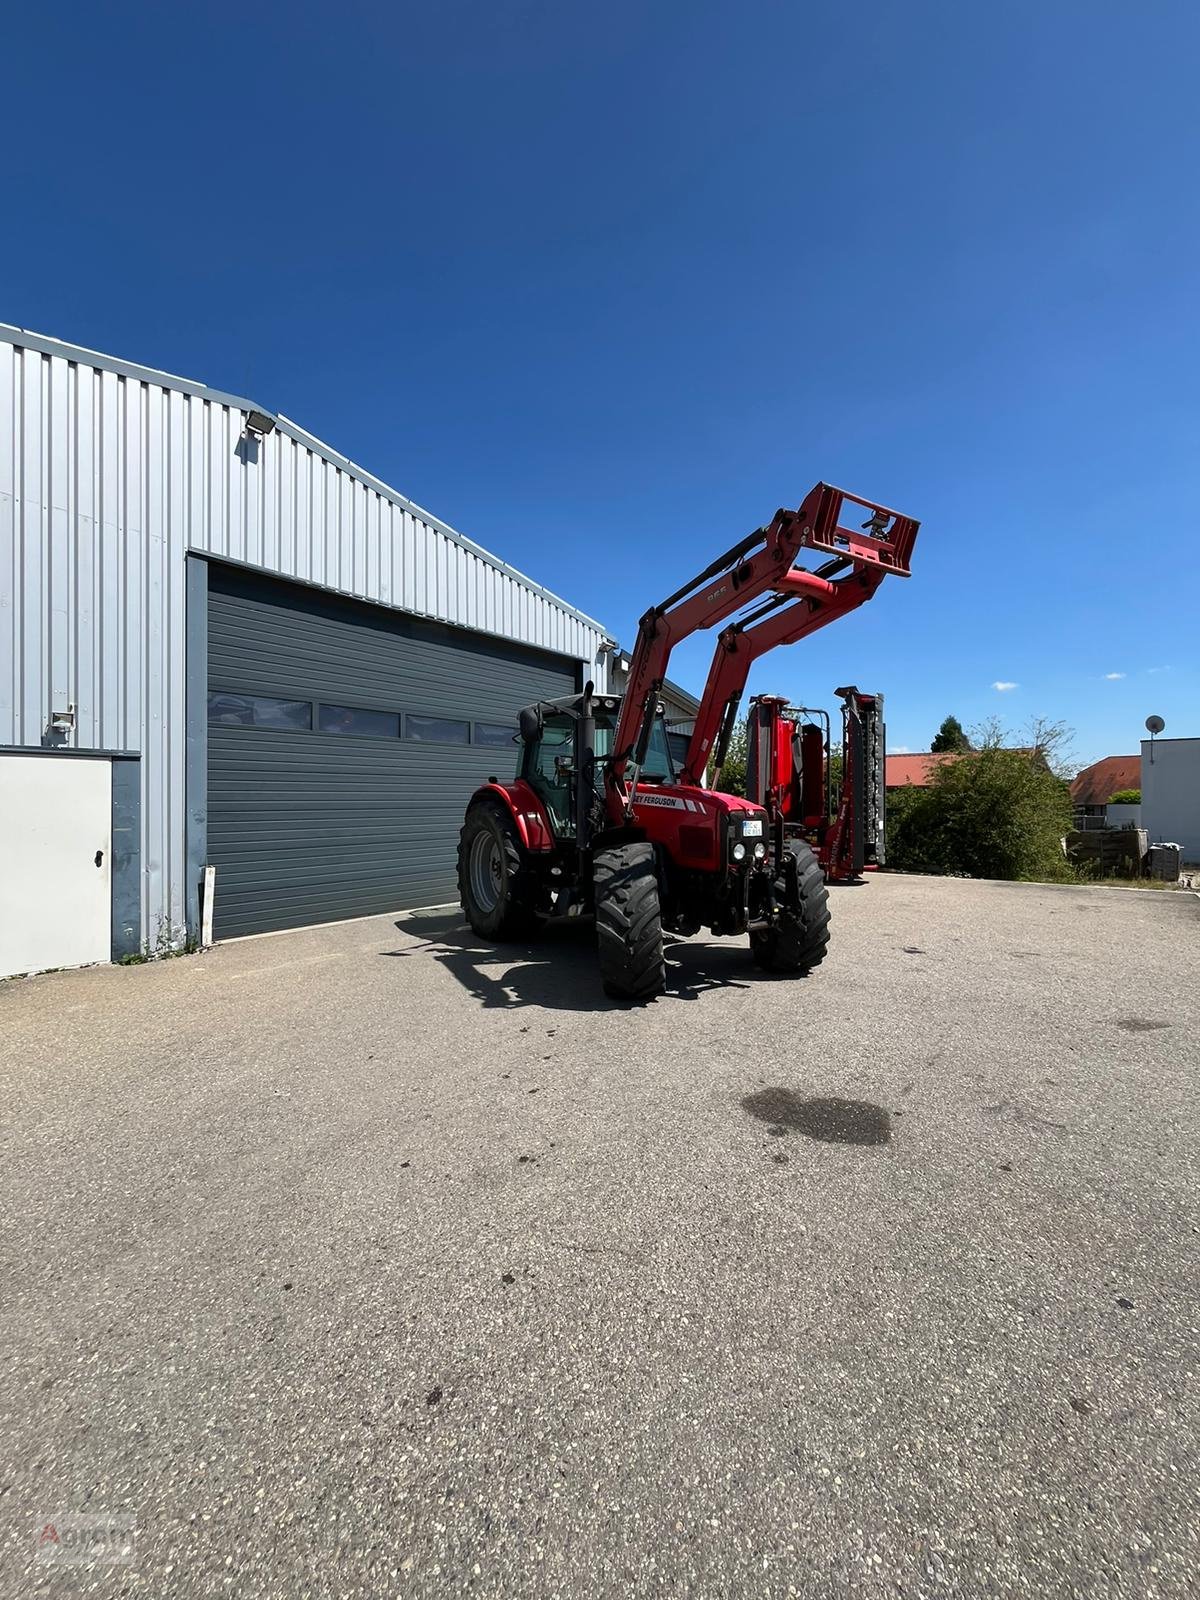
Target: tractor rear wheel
x,y
629,922
799,939
494,878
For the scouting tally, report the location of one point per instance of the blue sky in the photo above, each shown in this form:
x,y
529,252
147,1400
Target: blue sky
x,y
604,286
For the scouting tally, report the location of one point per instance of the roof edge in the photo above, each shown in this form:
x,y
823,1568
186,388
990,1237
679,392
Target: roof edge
x,y
676,690
46,344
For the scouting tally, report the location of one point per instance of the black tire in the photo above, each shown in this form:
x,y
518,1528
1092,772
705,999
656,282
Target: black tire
x,y
629,922
495,882
799,940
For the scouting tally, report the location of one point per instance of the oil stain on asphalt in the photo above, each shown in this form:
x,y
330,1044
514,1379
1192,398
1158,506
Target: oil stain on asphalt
x,y
828,1119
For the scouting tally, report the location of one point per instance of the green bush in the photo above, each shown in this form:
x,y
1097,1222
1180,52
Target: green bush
x,y
996,814
1126,797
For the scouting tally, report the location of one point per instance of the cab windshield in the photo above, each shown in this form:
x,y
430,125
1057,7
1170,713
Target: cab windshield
x,y
659,767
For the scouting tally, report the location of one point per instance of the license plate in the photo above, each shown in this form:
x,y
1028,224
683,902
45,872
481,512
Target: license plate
x,y
752,830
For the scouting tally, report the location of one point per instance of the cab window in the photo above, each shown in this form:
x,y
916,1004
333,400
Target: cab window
x,y
659,767
549,769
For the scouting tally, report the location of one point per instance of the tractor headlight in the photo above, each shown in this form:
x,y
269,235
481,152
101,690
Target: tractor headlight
x,y
760,850
739,851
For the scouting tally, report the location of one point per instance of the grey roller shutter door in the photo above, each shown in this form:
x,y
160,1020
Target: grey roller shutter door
x,y
305,826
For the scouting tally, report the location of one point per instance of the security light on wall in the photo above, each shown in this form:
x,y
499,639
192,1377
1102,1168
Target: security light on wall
x,y
259,424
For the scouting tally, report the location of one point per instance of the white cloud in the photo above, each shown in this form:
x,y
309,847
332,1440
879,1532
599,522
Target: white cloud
x,y
1157,669
1004,687
900,750
1112,677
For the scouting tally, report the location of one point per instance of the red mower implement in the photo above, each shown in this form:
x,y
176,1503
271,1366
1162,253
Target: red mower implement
x,y
789,772
598,823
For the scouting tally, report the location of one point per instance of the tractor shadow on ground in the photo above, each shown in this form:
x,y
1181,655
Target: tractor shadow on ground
x,y
557,970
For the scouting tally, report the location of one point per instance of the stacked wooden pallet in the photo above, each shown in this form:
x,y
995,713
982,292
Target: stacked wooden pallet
x,y
1115,852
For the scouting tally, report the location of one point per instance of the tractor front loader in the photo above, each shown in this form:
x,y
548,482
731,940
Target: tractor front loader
x,y
598,823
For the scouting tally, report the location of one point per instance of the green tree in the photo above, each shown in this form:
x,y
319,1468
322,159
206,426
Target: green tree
x,y
733,774
1000,814
1126,797
835,775
1048,743
950,737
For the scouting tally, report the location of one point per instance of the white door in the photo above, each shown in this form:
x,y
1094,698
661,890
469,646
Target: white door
x,y
55,866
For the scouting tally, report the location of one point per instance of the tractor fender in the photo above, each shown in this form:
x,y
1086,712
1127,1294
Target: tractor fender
x,y
528,813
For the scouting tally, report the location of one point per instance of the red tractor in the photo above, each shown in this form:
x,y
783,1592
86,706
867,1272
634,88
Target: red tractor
x,y
598,822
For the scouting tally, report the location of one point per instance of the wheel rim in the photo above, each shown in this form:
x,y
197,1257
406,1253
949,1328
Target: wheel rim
x,y
486,871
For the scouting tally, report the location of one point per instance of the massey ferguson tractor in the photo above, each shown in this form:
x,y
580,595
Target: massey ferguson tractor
x,y
597,821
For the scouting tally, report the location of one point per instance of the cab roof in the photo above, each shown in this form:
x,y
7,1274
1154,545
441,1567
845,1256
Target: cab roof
x,y
571,705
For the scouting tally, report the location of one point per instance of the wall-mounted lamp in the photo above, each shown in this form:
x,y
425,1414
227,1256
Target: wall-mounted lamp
x,y
60,725
259,424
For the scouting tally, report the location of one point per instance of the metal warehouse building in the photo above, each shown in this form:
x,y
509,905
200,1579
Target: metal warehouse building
x,y
221,643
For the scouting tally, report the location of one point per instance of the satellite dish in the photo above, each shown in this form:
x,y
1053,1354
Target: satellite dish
x,y
1155,724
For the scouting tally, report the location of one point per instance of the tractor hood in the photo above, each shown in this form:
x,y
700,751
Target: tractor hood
x,y
683,797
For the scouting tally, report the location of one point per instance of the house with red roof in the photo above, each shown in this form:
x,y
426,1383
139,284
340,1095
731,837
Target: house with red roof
x,y
1092,791
1096,785
914,771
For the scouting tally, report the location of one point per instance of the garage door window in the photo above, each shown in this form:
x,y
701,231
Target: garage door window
x,y
437,730
359,720
258,711
494,733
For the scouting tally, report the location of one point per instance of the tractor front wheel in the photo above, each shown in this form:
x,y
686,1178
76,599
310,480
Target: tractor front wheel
x,y
493,875
797,942
629,922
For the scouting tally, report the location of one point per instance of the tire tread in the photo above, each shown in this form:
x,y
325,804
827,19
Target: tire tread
x,y
628,921
798,944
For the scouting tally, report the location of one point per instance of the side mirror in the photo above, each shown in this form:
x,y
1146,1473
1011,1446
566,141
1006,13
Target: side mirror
x,y
530,722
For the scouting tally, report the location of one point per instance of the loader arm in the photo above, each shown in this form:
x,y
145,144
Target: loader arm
x,y
782,620
764,563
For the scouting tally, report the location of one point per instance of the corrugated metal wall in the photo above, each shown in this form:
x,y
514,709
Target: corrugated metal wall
x,y
308,826
109,474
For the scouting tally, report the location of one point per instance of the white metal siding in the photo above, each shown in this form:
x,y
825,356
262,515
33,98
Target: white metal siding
x,y
109,475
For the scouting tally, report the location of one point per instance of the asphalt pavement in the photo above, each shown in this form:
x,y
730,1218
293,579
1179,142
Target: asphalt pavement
x,y
370,1260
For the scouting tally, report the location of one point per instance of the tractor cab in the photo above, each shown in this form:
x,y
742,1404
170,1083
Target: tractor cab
x,y
564,747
